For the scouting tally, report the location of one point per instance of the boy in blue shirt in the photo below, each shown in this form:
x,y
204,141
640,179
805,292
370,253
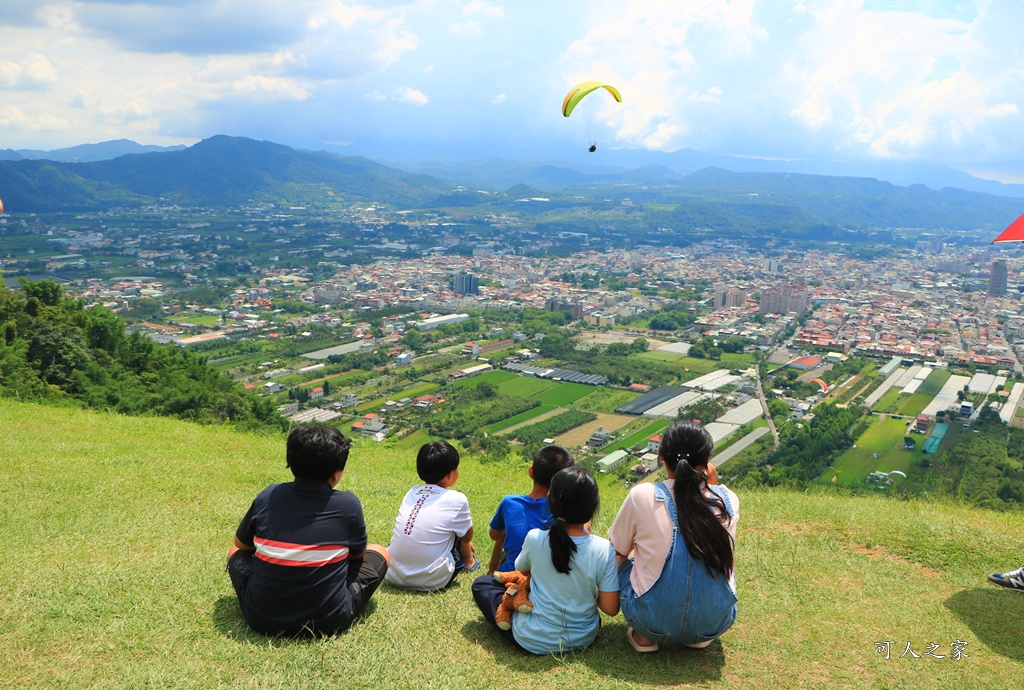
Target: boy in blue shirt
x,y
517,515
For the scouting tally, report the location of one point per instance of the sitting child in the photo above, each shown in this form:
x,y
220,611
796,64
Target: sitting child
x,y
517,514
573,573
300,563
433,537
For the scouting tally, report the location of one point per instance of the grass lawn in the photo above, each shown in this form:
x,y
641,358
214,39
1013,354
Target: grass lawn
x,y
206,320
935,381
884,437
519,418
604,399
416,439
928,390
525,386
641,436
369,405
916,403
889,402
117,528
417,389
659,356
493,377
564,393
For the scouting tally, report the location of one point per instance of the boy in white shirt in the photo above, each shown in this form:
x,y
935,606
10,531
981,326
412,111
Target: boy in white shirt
x,y
433,537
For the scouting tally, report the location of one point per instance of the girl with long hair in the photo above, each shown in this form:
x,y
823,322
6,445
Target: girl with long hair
x,y
674,544
572,572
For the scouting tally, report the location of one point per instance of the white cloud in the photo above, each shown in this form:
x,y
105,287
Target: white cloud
x,y
403,94
468,29
406,94
32,72
500,98
270,88
14,118
660,54
479,8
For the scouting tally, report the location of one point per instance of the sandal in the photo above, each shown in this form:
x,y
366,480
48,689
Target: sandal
x,y
642,648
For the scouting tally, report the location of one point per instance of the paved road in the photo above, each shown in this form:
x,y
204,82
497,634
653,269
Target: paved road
x,y
738,447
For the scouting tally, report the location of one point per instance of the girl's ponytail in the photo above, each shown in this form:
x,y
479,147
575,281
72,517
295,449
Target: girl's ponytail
x,y
685,447
573,499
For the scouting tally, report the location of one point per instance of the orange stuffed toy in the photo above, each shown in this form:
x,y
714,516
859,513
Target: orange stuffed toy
x,y
516,597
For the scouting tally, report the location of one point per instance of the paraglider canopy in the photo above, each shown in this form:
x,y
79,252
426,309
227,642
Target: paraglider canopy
x,y
1,205
580,91
1014,233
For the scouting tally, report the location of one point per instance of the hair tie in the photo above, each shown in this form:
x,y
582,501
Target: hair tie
x,y
559,519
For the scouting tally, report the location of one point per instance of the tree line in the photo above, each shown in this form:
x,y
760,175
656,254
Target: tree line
x,y
55,350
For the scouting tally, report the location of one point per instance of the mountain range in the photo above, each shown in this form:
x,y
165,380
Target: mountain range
x,y
224,172
82,153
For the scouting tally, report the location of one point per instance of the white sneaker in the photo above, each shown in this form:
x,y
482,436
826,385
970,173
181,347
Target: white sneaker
x,y
1011,580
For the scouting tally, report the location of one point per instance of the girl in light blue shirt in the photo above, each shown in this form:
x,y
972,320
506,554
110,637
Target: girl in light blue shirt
x,y
573,573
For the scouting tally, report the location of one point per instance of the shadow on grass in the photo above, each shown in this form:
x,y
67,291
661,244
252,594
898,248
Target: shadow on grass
x,y
993,615
610,655
227,618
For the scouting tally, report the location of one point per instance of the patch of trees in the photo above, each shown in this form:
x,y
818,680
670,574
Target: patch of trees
x,y
55,350
991,474
472,409
841,371
532,436
705,410
809,449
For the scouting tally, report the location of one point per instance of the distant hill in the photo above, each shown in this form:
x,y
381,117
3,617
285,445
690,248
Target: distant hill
x,y
850,202
220,171
102,151
226,171
609,163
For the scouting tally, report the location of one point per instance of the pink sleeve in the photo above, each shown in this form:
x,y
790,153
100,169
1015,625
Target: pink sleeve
x,y
622,533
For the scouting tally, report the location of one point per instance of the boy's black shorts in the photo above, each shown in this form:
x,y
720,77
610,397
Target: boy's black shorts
x,y
366,580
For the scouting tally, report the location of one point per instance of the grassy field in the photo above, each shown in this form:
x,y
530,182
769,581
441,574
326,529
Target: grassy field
x,y
416,439
525,386
492,377
660,356
417,389
564,393
117,529
641,436
928,390
519,418
604,399
889,402
884,438
698,367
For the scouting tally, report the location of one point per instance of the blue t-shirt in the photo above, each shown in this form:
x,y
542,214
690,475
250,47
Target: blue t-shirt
x,y
516,516
565,614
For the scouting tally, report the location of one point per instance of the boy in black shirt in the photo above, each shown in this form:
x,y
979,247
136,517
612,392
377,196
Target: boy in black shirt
x,y
300,563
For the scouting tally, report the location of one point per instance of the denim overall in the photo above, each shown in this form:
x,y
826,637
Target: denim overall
x,y
685,605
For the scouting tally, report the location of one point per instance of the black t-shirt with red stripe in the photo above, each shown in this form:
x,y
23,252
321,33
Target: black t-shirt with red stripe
x,y
303,532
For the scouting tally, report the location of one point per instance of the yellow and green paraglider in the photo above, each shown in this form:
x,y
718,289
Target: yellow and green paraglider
x,y
581,91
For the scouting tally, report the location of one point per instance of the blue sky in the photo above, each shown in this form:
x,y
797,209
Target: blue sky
x,y
934,80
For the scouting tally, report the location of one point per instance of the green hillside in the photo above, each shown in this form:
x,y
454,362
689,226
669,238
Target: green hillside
x,y
118,527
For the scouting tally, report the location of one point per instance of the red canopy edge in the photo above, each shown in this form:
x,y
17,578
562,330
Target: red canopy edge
x,y
1014,233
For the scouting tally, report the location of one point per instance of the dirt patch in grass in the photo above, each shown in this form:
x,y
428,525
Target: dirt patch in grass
x,y
578,436
879,552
